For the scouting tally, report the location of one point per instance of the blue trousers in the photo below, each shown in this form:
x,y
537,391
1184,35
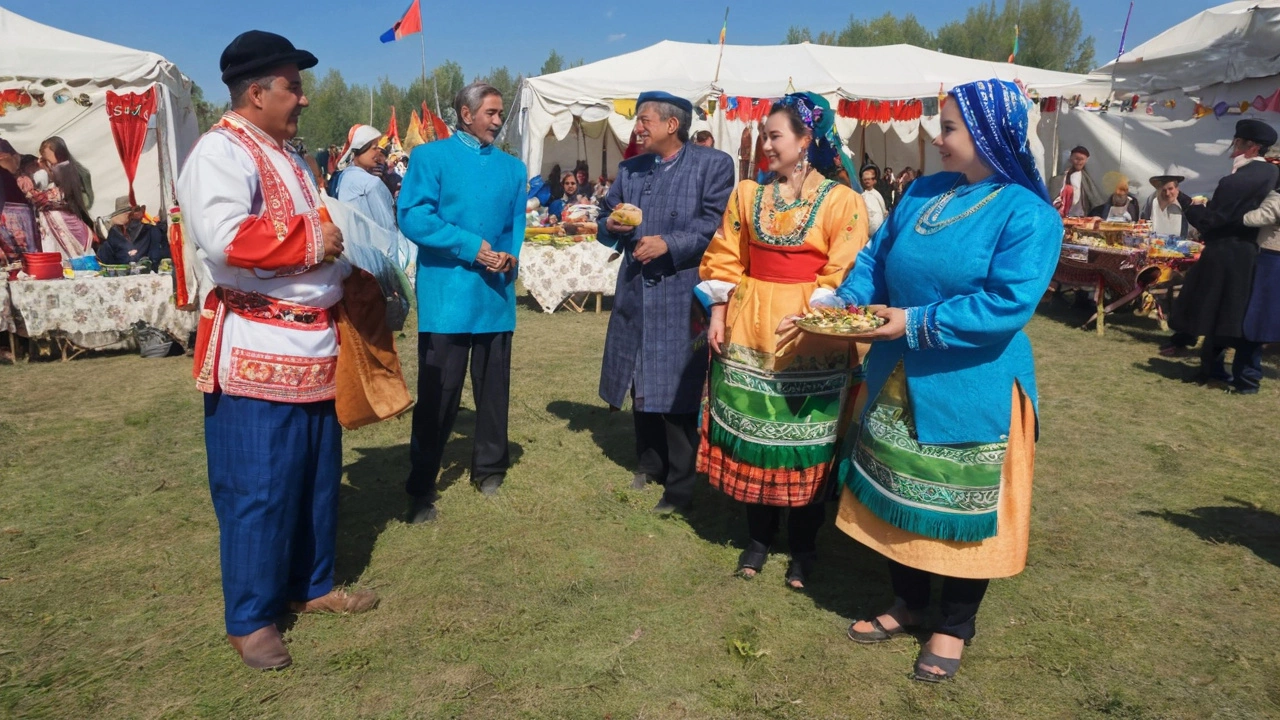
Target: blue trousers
x,y
274,473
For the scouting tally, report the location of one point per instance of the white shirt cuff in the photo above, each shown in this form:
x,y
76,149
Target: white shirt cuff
x,y
823,297
717,290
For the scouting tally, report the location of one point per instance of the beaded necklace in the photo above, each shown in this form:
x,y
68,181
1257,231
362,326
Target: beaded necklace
x,y
929,222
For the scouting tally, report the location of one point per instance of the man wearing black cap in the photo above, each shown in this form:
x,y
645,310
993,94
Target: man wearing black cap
x,y
650,351
1074,192
266,351
1215,296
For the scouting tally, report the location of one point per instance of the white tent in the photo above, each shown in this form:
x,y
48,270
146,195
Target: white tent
x,y
1228,44
56,67
574,114
1228,54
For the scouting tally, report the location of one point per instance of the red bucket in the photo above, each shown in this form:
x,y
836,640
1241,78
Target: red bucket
x,y
43,266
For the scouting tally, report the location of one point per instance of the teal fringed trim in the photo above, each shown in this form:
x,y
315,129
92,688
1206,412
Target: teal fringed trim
x,y
769,457
928,523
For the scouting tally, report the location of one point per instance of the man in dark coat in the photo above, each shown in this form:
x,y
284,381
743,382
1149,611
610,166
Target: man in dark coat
x,y
651,352
1216,292
131,240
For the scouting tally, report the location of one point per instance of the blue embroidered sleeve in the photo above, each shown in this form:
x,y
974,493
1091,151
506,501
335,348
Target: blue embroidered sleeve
x,y
922,328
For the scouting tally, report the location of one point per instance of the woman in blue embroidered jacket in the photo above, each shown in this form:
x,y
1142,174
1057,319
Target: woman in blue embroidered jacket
x,y
938,478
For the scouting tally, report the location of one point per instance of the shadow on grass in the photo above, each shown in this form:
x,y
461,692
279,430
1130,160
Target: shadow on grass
x,y
1168,369
1239,524
613,432
374,494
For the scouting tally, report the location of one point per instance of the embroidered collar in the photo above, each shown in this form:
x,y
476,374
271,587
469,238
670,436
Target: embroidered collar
x,y
670,159
470,140
237,120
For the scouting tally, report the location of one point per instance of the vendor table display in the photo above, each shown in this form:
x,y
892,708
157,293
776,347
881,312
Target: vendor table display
x,y
1123,258
95,313
554,268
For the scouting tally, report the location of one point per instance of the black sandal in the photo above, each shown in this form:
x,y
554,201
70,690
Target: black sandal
x,y
878,634
753,559
948,666
801,565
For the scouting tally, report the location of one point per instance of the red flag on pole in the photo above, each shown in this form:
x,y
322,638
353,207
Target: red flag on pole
x,y
409,24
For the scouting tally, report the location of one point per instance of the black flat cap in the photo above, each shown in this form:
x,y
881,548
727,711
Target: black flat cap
x,y
254,51
1256,131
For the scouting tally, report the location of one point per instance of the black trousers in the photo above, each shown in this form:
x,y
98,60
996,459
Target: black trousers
x,y
442,369
803,524
1246,369
960,598
667,449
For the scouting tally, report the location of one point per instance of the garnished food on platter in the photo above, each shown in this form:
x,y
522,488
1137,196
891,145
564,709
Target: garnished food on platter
x,y
626,214
843,322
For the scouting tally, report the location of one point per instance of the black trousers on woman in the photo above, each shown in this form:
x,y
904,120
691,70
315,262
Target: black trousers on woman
x,y
803,524
960,598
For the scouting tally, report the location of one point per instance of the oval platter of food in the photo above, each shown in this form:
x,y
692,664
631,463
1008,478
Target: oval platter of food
x,y
840,322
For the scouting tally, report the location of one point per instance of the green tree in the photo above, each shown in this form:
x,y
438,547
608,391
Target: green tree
x,y
553,64
1052,34
207,113
501,79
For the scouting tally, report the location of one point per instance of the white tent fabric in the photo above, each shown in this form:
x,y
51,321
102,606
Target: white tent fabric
x,y
548,104
59,63
1225,44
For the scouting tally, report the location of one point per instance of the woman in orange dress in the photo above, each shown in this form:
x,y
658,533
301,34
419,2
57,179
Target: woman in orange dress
x,y
775,412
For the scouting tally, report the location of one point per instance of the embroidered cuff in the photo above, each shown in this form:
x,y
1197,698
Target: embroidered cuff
x,y
315,239
715,291
922,329
824,297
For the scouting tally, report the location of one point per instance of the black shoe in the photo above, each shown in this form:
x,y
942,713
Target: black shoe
x,y
800,567
666,507
1238,390
640,481
489,484
422,510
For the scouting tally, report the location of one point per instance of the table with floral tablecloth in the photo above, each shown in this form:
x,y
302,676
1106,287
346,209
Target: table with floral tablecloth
x,y
96,313
554,274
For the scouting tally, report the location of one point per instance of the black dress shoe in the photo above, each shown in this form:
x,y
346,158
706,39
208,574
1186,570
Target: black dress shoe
x,y
666,507
489,484
422,510
640,481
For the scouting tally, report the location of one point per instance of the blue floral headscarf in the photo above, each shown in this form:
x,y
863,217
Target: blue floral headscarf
x,y
996,113
825,152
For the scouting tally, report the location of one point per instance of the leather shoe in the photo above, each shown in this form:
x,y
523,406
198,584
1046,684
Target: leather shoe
x,y
640,481
489,484
338,601
422,510
262,649
666,507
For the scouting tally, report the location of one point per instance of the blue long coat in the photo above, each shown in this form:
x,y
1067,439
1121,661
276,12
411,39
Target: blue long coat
x,y
650,344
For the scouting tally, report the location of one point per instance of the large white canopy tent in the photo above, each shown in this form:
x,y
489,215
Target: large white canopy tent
x,y
56,64
574,114
1228,54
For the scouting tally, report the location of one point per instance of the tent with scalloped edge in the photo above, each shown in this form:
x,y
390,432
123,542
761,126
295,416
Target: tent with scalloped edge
x,y
1193,82
54,82
584,113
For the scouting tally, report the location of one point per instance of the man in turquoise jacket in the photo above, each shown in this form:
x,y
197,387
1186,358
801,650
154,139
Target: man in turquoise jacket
x,y
462,204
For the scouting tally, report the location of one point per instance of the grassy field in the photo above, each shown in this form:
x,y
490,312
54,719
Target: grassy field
x,y
1151,593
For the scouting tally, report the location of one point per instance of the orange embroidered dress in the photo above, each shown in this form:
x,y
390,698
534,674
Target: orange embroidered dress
x,y
774,417
254,213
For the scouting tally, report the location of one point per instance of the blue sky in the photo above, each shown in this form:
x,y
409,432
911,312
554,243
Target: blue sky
x,y
516,34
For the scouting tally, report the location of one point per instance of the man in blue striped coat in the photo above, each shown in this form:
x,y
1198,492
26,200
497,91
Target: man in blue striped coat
x,y
651,351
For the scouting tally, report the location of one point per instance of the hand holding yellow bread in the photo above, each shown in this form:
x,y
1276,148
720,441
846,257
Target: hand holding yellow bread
x,y
626,214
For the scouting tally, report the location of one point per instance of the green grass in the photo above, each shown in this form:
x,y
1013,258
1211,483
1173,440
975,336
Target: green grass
x,y
1151,592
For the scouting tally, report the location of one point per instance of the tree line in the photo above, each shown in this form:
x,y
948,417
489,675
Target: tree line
x,y
337,105
1051,37
1051,34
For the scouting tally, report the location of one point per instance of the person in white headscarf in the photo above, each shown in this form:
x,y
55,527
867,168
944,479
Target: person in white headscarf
x,y
361,167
